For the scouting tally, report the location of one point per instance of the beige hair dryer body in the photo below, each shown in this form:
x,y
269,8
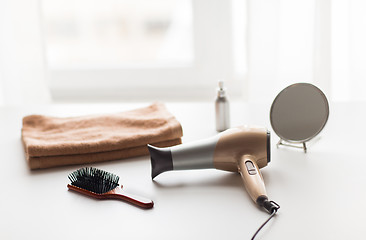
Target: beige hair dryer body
x,y
242,149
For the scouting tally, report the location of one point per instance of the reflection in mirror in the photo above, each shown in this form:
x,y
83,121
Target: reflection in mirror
x,y
299,113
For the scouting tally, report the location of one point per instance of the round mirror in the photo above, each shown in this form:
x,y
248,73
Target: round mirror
x,y
299,112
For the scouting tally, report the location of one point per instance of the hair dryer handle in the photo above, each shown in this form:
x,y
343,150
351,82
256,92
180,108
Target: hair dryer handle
x,y
252,178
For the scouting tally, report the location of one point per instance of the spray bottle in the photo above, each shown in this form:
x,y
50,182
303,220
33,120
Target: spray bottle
x,y
222,109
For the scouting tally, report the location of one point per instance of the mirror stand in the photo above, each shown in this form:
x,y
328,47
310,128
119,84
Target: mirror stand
x,y
280,142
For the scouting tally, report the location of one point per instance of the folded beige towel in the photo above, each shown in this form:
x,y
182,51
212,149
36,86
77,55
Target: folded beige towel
x,y
51,141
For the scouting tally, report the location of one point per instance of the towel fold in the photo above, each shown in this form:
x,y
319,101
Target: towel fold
x,y
60,160
52,141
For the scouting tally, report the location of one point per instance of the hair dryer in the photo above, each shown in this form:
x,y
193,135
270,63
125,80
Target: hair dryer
x,y
242,149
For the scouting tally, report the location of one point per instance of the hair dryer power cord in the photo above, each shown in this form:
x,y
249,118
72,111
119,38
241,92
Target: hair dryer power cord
x,y
274,211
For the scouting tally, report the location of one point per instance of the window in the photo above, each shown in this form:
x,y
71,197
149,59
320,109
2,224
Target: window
x,y
133,49
118,33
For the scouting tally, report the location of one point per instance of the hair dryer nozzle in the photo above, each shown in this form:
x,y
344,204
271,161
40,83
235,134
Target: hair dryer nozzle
x,y
161,160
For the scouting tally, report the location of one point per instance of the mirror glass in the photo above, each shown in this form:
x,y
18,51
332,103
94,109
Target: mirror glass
x,y
299,112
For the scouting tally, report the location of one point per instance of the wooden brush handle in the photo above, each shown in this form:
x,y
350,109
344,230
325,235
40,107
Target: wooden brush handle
x,y
117,193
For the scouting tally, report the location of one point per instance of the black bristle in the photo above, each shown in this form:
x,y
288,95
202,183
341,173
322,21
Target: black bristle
x,y
94,180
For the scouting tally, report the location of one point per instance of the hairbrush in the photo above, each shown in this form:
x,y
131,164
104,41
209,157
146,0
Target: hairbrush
x,y
100,184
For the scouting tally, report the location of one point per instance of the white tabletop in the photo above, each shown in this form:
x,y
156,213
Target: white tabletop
x,y
322,193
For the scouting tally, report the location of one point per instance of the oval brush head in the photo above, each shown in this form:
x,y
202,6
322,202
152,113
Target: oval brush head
x,y
94,180
103,185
